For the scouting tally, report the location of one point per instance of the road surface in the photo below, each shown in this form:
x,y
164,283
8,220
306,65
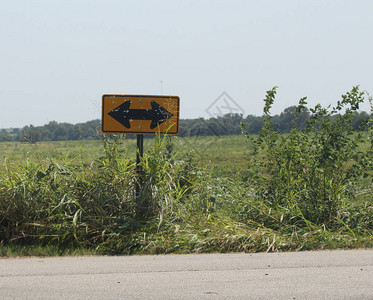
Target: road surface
x,y
297,275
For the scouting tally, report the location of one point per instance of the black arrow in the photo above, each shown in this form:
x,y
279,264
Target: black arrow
x,y
157,114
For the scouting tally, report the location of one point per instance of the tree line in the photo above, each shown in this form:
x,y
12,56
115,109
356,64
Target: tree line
x,y
229,124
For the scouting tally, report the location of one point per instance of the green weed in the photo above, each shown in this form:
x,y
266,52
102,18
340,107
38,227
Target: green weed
x,y
307,189
309,177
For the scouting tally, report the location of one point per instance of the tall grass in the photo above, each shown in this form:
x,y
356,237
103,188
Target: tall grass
x,y
67,206
303,190
311,178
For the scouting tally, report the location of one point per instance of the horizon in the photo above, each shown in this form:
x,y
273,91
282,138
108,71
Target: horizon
x,y
204,118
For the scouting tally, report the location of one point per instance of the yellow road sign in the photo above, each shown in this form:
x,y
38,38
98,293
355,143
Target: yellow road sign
x,y
140,114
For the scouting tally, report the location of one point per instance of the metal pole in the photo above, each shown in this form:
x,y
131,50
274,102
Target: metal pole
x,y
139,155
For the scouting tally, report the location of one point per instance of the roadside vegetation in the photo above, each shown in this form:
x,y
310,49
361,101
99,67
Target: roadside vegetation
x,y
309,188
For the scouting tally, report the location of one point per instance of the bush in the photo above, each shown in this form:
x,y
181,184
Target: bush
x,y
311,173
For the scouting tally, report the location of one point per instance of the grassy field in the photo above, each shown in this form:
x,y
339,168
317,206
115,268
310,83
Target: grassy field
x,y
221,214
223,154
306,189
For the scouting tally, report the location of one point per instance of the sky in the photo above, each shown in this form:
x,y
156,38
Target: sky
x,y
58,57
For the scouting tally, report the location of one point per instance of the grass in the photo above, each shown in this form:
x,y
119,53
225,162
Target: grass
x,y
72,207
305,190
221,153
42,250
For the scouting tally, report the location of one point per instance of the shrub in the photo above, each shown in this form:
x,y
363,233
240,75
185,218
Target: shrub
x,y
310,172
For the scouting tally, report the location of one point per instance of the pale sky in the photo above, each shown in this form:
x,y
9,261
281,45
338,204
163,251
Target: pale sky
x,y
57,58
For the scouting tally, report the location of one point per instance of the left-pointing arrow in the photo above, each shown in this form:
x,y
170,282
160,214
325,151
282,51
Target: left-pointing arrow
x,y
123,114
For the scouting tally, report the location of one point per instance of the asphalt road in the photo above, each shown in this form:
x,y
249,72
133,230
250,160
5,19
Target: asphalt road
x,y
299,275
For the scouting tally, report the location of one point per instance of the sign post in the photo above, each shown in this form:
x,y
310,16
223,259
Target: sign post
x,y
140,114
139,155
